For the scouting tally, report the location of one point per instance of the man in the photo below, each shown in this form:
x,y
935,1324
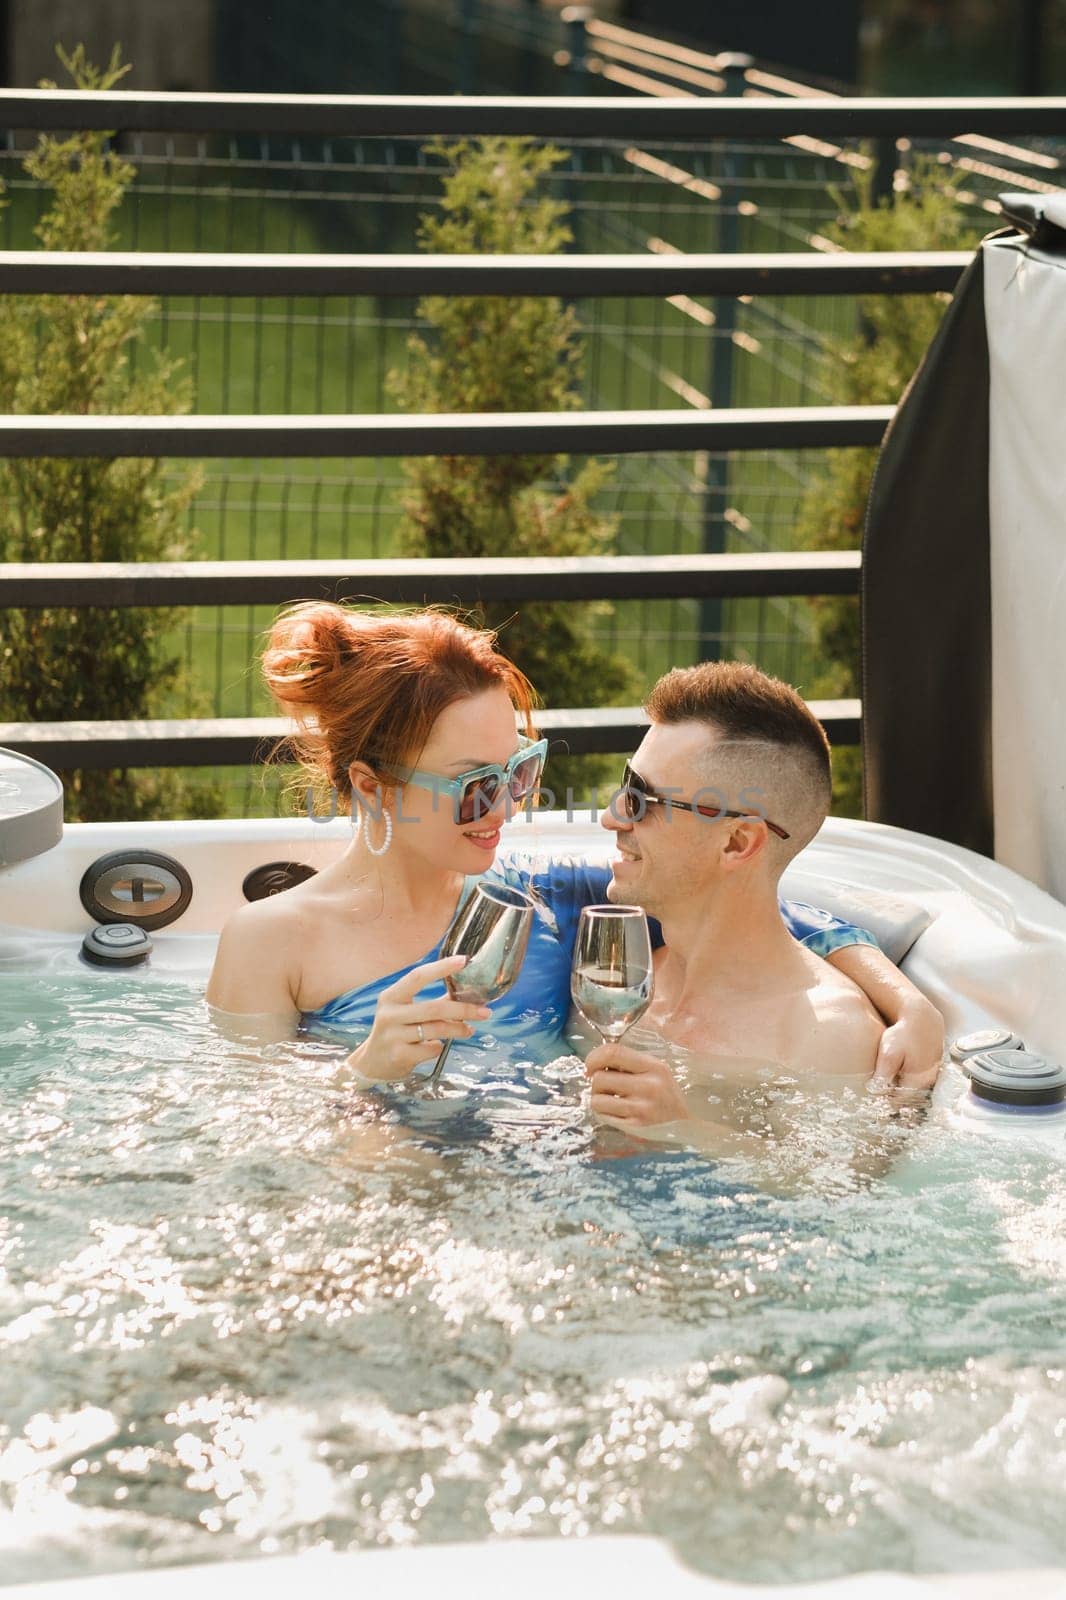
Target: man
x,y
730,782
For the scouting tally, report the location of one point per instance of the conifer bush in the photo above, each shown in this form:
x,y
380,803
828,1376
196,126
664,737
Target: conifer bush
x,y
516,354
72,354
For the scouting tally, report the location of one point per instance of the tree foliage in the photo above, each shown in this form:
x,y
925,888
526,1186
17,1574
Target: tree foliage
x,y
518,354
71,354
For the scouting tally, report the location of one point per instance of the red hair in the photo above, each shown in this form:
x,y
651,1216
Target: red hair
x,y
368,686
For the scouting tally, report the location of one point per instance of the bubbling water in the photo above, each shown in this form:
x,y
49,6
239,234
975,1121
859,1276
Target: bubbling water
x,y
243,1309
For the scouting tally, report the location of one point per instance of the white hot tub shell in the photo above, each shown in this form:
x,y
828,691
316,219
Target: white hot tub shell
x,y
988,947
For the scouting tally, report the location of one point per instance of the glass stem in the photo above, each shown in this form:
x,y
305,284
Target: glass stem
x,y
439,1064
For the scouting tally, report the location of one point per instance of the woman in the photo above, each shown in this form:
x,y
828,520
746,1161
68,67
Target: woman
x,y
411,719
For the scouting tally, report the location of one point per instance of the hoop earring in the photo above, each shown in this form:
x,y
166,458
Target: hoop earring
x,y
380,850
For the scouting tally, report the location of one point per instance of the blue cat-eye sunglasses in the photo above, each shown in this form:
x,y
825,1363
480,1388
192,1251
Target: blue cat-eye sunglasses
x,y
476,792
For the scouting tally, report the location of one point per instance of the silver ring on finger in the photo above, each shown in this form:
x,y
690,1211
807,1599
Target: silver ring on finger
x,y
421,1033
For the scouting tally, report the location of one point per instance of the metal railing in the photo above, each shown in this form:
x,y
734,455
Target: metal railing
x,y
535,116
605,50
238,741
221,741
406,276
517,580
488,433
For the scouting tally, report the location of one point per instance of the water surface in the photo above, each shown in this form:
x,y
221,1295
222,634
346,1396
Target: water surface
x,y
244,1311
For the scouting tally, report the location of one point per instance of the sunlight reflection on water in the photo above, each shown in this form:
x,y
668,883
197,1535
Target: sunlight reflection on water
x,y
242,1309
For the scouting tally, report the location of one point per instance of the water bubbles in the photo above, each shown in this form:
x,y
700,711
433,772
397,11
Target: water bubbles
x,y
301,1318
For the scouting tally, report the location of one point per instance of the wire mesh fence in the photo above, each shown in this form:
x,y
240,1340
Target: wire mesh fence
x,y
322,355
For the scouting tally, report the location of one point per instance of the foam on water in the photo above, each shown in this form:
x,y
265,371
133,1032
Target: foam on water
x,y
242,1309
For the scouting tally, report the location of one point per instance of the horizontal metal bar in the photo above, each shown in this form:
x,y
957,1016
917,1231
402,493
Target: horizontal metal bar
x,y
476,434
586,117
158,273
189,742
239,741
421,582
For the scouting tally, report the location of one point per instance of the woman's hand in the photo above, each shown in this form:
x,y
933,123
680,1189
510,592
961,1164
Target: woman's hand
x,y
407,1031
633,1088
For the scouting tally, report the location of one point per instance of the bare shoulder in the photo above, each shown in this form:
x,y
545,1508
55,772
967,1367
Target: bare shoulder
x,y
847,1028
276,916
257,964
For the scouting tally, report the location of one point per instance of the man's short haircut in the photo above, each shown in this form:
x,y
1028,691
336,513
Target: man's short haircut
x,y
788,751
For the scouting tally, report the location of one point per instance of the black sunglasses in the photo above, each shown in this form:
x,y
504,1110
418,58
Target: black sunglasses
x,y
637,795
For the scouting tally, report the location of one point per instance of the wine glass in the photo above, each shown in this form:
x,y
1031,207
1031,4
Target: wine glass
x,y
612,978
491,928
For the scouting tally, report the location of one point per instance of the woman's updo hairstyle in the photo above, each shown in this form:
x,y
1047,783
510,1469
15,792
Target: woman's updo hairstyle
x,y
368,686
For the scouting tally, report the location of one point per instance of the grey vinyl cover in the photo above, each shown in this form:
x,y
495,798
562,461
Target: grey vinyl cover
x,y
926,603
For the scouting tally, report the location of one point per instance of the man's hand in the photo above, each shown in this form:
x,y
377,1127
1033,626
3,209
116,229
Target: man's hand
x,y
633,1088
911,1050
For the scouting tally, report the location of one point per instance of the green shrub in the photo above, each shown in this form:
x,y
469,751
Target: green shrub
x,y
522,354
71,354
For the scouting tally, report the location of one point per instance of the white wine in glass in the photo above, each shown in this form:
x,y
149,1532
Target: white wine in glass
x,y
491,928
612,979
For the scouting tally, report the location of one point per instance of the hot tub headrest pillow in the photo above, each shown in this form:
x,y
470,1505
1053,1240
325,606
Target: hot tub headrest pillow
x,y
894,921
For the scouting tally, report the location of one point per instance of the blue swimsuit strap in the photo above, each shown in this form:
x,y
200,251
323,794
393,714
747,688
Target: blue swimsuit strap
x,y
350,995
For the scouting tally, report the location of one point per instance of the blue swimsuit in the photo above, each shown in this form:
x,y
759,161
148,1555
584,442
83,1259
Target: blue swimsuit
x,y
539,1000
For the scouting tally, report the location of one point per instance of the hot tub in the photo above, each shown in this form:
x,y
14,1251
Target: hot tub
x,y
247,1313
